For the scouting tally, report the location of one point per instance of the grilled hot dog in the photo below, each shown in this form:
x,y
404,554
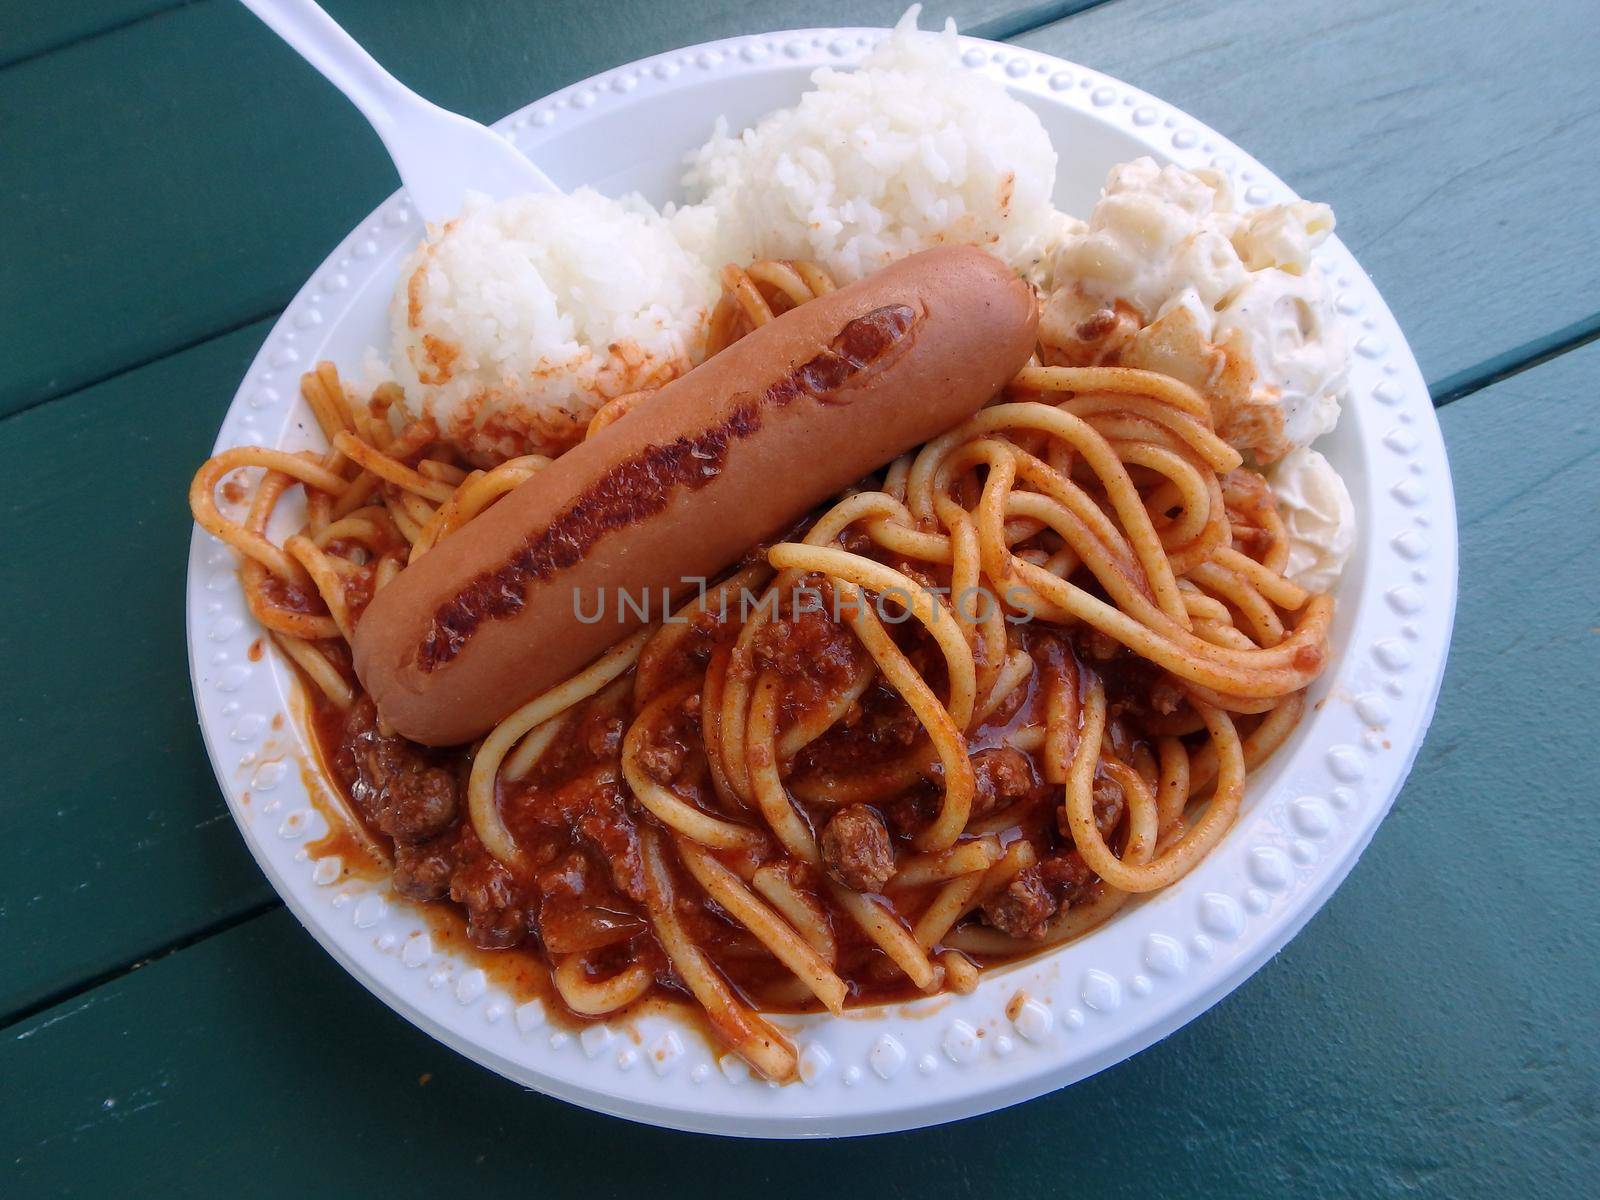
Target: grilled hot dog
x,y
684,485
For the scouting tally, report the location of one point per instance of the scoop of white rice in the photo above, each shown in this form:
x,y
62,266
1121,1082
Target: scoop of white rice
x,y
516,321
910,151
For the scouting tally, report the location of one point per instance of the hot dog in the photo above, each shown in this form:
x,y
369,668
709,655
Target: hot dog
x,y
679,488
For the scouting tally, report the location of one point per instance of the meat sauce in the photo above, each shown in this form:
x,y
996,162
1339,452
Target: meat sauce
x,y
581,886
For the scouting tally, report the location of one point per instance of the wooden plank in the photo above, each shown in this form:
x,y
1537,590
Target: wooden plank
x,y
117,840
1430,1032
28,28
1456,143
184,175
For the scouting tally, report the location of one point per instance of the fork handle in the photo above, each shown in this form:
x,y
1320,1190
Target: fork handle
x,y
323,43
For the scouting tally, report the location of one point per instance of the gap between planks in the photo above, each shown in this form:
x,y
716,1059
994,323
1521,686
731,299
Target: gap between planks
x,y
1515,361
1447,391
90,35
72,991
149,360
998,29
1025,20
1002,29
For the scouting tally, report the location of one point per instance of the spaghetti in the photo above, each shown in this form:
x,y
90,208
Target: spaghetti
x,y
971,710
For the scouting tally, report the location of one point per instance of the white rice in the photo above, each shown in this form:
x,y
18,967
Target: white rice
x,y
516,321
911,151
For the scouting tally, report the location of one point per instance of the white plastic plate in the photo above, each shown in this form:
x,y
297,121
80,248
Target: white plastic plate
x,y
1307,814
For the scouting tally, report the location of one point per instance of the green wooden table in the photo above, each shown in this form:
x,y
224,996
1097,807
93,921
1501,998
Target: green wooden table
x,y
168,176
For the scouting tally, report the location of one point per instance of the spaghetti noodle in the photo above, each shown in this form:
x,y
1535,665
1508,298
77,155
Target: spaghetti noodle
x,y
971,710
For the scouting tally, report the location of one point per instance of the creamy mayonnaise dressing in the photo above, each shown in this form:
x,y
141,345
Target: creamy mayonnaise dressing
x,y
1320,519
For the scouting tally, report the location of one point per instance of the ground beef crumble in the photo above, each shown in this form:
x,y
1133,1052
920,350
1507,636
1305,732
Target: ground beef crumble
x,y
856,850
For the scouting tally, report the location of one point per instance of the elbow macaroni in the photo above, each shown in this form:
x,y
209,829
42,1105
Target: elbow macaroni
x,y
1163,239
1156,232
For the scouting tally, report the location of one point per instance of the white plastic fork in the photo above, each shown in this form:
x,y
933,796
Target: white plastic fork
x,y
440,155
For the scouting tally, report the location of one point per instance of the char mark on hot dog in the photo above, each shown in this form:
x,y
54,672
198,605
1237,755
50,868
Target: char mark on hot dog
x,y
642,484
